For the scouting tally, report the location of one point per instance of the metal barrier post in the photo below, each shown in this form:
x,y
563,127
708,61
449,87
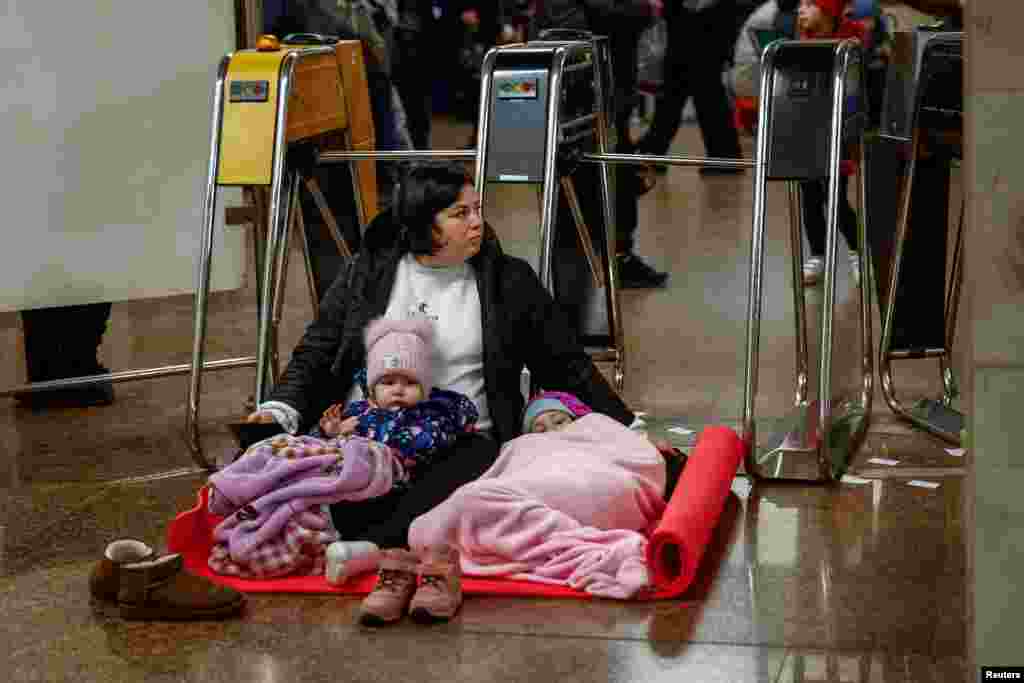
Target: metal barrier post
x,y
605,112
799,304
276,232
813,429
205,255
754,299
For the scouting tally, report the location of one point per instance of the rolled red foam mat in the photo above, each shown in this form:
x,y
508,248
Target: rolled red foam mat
x,y
678,543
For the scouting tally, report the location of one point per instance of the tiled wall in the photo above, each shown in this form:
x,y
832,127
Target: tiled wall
x,y
995,309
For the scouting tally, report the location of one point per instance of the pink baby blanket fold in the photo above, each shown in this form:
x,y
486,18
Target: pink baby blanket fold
x,y
568,508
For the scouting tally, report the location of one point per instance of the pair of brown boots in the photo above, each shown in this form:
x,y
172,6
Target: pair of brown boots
x,y
427,584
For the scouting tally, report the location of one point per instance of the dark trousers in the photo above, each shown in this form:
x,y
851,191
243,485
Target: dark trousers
x,y
386,520
415,86
814,196
61,342
571,270
699,43
413,75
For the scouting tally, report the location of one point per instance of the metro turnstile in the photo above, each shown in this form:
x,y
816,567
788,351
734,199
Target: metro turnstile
x,y
543,104
804,84
265,100
918,303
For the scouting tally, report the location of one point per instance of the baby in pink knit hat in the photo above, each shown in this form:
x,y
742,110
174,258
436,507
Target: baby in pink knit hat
x,y
402,409
398,371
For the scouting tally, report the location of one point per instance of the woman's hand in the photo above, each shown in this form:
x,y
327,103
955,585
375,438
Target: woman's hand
x,y
260,416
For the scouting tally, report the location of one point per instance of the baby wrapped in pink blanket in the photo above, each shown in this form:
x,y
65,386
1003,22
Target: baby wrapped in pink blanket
x,y
570,507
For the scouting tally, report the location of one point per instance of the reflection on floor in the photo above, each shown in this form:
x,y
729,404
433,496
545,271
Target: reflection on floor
x,y
863,582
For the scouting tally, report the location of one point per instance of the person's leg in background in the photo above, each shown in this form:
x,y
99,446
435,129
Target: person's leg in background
x,y
386,133
676,90
415,88
62,343
412,74
634,272
714,112
699,44
814,204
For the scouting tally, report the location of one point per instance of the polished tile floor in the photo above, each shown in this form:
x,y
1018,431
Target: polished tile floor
x,y
855,583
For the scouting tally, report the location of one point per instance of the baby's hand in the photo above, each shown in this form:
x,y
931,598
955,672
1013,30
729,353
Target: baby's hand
x,y
333,426
348,426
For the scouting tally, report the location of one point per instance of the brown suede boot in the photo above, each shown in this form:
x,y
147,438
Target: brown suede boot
x,y
131,582
396,582
439,595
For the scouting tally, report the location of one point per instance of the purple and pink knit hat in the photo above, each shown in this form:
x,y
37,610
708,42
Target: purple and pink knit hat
x,y
553,400
402,347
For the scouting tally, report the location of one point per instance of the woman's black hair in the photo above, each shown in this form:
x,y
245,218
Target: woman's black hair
x,y
425,189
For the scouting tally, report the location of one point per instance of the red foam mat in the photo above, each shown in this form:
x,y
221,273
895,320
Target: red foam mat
x,y
680,539
674,553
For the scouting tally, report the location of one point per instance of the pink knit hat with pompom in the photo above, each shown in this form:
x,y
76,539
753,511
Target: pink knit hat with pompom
x,y
400,347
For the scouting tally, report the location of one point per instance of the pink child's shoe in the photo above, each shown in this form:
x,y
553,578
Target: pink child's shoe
x,y
439,594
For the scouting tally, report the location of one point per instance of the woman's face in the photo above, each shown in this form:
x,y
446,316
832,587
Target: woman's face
x,y
458,230
393,392
549,421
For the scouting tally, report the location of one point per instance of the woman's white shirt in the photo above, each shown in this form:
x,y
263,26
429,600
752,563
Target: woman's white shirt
x,y
448,297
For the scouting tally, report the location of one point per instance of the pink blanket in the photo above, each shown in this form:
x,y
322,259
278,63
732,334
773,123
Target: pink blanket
x,y
569,508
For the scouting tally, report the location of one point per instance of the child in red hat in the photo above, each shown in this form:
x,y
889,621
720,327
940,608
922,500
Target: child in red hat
x,y
826,19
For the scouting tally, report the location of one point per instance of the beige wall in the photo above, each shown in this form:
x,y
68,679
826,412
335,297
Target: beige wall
x,y
104,147
995,333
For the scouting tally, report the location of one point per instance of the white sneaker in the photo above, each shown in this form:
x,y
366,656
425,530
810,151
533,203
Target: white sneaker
x,y
855,268
813,269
